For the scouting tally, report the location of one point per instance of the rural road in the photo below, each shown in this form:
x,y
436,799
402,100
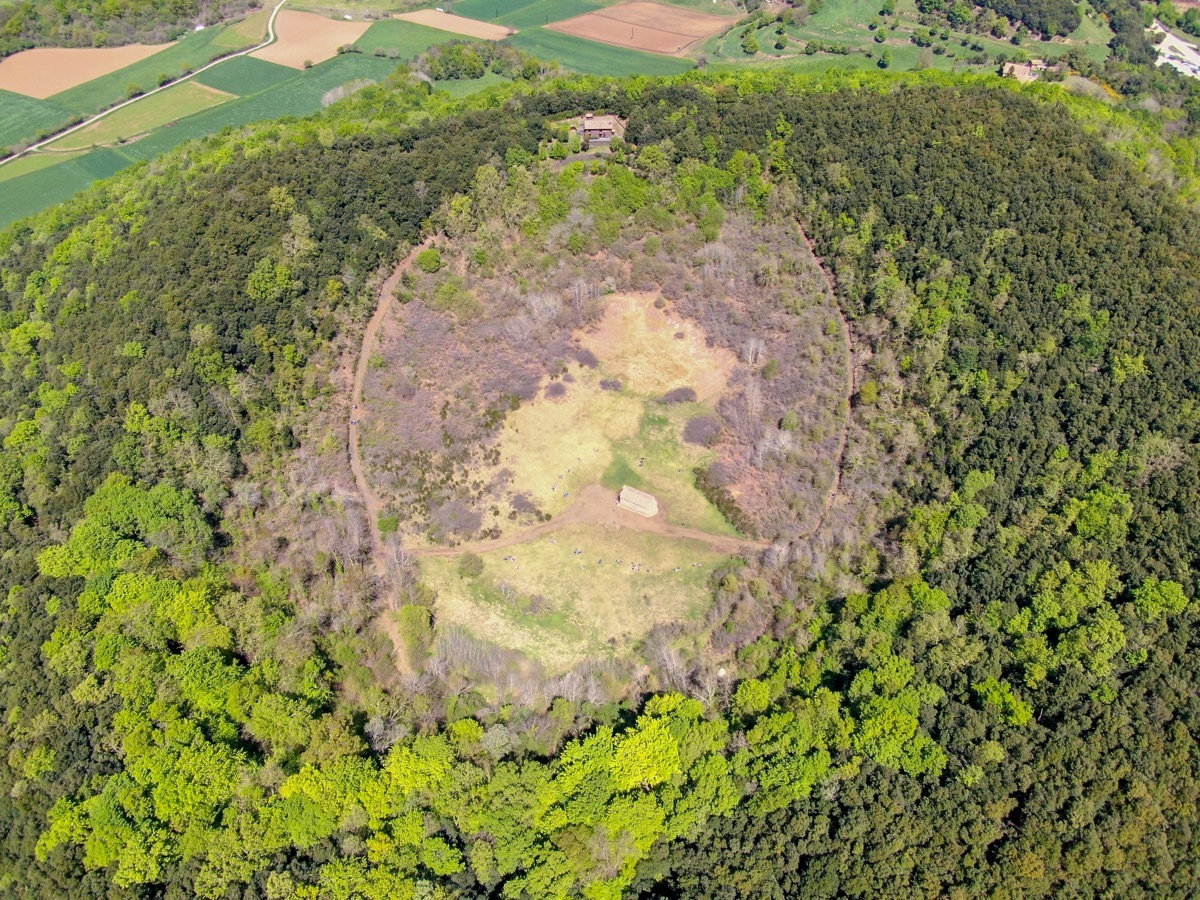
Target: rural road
x,y
271,37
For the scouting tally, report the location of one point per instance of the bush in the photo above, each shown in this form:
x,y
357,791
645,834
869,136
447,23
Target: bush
x,y
470,565
679,395
429,261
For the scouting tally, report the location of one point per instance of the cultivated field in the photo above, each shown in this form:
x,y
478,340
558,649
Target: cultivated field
x,y
47,71
309,38
402,40
592,58
187,54
136,120
642,25
24,117
245,76
521,14
431,18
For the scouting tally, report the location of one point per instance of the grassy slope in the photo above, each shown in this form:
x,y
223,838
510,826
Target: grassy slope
x,y
592,58
24,117
593,601
171,105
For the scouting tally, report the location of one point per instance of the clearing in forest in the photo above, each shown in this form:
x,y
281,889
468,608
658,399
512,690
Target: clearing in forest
x,y
565,572
309,38
619,423
642,25
433,18
47,71
559,607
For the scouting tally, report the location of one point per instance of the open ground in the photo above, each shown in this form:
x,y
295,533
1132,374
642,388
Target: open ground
x,y
643,25
47,71
433,18
309,38
559,606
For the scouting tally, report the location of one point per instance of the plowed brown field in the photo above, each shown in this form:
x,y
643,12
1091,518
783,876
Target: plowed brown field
x,y
306,37
47,71
642,25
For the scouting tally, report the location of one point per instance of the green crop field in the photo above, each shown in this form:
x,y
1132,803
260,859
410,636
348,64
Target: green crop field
x,y
543,12
246,75
405,40
168,106
593,58
189,52
35,162
298,97
33,192
490,10
23,117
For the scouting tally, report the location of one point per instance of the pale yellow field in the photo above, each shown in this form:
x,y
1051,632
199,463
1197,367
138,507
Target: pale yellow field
x,y
306,37
637,343
456,24
590,598
46,71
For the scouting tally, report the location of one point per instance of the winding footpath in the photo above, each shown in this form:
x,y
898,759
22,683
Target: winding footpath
x,y
847,340
374,506
271,38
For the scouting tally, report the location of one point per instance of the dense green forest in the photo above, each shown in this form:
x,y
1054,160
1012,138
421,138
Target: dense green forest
x,y
981,685
92,23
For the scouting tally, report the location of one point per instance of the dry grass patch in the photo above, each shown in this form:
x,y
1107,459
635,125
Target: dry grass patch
x,y
309,38
46,71
654,351
433,18
607,424
645,26
560,608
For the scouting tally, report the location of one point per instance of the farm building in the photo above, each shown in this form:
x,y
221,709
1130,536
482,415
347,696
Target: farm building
x,y
599,128
637,501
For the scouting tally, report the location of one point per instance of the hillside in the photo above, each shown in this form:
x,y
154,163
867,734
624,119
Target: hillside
x,y
910,365
88,23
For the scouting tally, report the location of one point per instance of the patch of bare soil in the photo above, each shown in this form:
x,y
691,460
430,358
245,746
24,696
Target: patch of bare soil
x,y
46,71
309,38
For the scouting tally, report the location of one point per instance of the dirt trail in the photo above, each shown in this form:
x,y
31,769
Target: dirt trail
x,y
597,506
371,502
847,340
370,499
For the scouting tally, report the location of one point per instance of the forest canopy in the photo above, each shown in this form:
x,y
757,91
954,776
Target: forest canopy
x,y
972,679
